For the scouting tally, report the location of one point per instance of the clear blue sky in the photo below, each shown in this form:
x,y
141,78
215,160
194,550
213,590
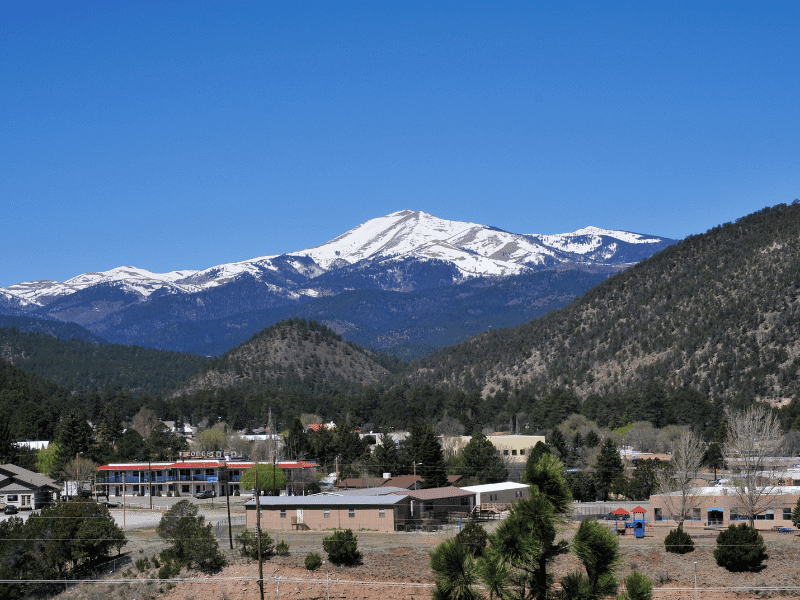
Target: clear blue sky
x,y
180,135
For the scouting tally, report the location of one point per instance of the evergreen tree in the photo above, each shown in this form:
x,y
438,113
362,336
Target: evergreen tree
x,y
296,441
558,442
609,467
386,458
481,461
425,450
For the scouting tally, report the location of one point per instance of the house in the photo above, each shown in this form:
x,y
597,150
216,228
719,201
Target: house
x,y
498,495
188,477
719,506
25,489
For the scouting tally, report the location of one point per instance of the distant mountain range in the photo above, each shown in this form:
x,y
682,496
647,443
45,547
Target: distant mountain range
x,y
388,284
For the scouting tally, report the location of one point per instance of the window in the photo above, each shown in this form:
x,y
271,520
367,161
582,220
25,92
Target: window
x,y
283,513
327,513
184,489
695,514
505,452
657,515
513,453
522,452
787,514
382,513
351,513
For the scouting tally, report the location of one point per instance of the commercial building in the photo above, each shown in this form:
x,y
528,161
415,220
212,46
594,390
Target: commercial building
x,y
719,506
382,509
188,477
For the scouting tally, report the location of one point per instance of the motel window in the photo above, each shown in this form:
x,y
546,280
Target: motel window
x,y
283,513
787,514
513,453
505,452
351,513
657,514
327,513
184,489
522,452
382,513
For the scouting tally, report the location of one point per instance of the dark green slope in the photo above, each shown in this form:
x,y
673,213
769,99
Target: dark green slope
x,y
719,312
84,366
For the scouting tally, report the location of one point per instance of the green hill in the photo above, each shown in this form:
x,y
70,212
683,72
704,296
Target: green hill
x,y
718,312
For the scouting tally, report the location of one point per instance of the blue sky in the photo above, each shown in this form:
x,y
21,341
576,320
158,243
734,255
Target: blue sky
x,y
180,135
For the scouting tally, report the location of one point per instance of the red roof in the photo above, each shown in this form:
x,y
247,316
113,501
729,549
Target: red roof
x,y
620,511
639,510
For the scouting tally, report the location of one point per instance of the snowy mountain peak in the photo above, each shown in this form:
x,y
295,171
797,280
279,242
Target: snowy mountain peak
x,y
473,250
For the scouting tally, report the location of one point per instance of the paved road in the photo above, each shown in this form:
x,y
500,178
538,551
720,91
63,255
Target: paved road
x,y
138,514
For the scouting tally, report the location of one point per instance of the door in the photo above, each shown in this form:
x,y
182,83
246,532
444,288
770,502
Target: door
x,y
299,515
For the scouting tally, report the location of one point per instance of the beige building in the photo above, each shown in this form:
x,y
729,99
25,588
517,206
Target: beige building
x,y
321,512
719,506
515,448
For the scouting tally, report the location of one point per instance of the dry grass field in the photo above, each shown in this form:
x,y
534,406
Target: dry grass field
x,y
396,566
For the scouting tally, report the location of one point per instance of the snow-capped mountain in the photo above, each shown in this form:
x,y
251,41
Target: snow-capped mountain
x,y
357,283
473,250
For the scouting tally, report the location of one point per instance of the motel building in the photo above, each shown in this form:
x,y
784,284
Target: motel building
x,y
188,476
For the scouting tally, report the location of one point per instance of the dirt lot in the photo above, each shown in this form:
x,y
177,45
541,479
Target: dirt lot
x,y
397,566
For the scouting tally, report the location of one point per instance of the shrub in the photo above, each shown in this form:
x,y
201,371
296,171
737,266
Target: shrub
x,y
282,549
342,548
158,494
236,493
679,542
169,569
474,537
169,494
249,542
637,587
177,494
313,561
740,548
143,564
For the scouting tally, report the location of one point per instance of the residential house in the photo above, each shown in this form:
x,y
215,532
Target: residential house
x,y
25,489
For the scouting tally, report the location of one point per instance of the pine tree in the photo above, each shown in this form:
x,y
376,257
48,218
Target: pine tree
x,y
609,467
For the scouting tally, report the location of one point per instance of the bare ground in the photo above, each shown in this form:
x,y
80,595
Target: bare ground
x,y
397,566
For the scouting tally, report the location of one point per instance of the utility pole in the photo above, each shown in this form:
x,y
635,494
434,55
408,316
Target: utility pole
x,y
228,500
257,494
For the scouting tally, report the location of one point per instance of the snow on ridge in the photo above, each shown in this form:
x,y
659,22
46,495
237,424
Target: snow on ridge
x,y
624,236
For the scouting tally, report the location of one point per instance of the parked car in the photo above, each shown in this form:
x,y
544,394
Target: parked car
x,y
108,504
205,494
10,509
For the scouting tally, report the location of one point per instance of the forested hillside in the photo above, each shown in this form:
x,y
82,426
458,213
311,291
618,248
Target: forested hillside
x,y
718,312
30,404
297,353
86,366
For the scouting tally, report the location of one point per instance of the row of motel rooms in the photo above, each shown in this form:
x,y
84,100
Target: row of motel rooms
x,y
188,477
